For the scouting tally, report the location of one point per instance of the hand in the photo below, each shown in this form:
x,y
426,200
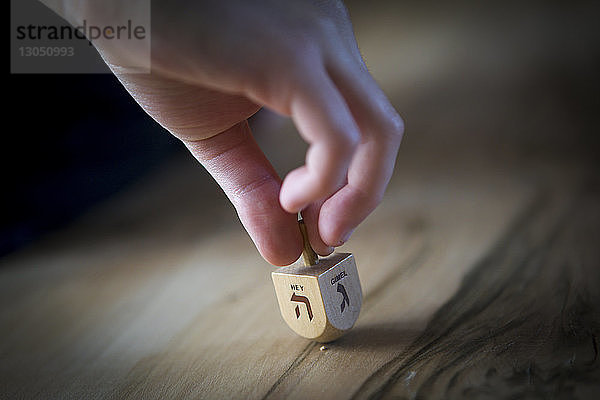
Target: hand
x,y
215,63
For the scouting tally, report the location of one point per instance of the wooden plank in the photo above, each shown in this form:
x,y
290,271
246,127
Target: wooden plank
x,y
203,320
205,353
524,321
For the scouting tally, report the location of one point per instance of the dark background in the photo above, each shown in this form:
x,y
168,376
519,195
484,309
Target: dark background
x,y
70,141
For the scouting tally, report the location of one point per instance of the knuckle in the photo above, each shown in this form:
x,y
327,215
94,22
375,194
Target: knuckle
x,y
396,128
391,132
247,189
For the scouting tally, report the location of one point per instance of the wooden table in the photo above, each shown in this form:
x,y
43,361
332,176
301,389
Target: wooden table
x,y
479,270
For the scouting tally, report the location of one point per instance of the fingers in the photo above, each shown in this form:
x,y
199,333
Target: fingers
x,y
354,134
367,179
311,217
324,121
238,165
373,162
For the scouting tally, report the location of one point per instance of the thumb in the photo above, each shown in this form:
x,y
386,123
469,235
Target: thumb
x,y
236,162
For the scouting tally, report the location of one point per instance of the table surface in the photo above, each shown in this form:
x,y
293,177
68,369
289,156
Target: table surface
x,y
479,269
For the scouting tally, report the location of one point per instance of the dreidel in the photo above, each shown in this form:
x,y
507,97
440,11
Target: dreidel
x,y
319,298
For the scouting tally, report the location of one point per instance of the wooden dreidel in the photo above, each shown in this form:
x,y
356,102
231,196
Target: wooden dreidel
x,y
319,298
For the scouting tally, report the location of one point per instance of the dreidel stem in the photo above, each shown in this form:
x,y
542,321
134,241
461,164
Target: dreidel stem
x,y
308,254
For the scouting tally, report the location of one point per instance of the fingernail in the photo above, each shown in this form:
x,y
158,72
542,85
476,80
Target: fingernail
x,y
328,251
346,237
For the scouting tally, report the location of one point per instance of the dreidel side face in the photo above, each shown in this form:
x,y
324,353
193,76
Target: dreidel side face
x,y
341,293
300,303
320,302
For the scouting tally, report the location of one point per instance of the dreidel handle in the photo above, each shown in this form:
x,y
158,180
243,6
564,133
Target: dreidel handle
x,y
308,254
